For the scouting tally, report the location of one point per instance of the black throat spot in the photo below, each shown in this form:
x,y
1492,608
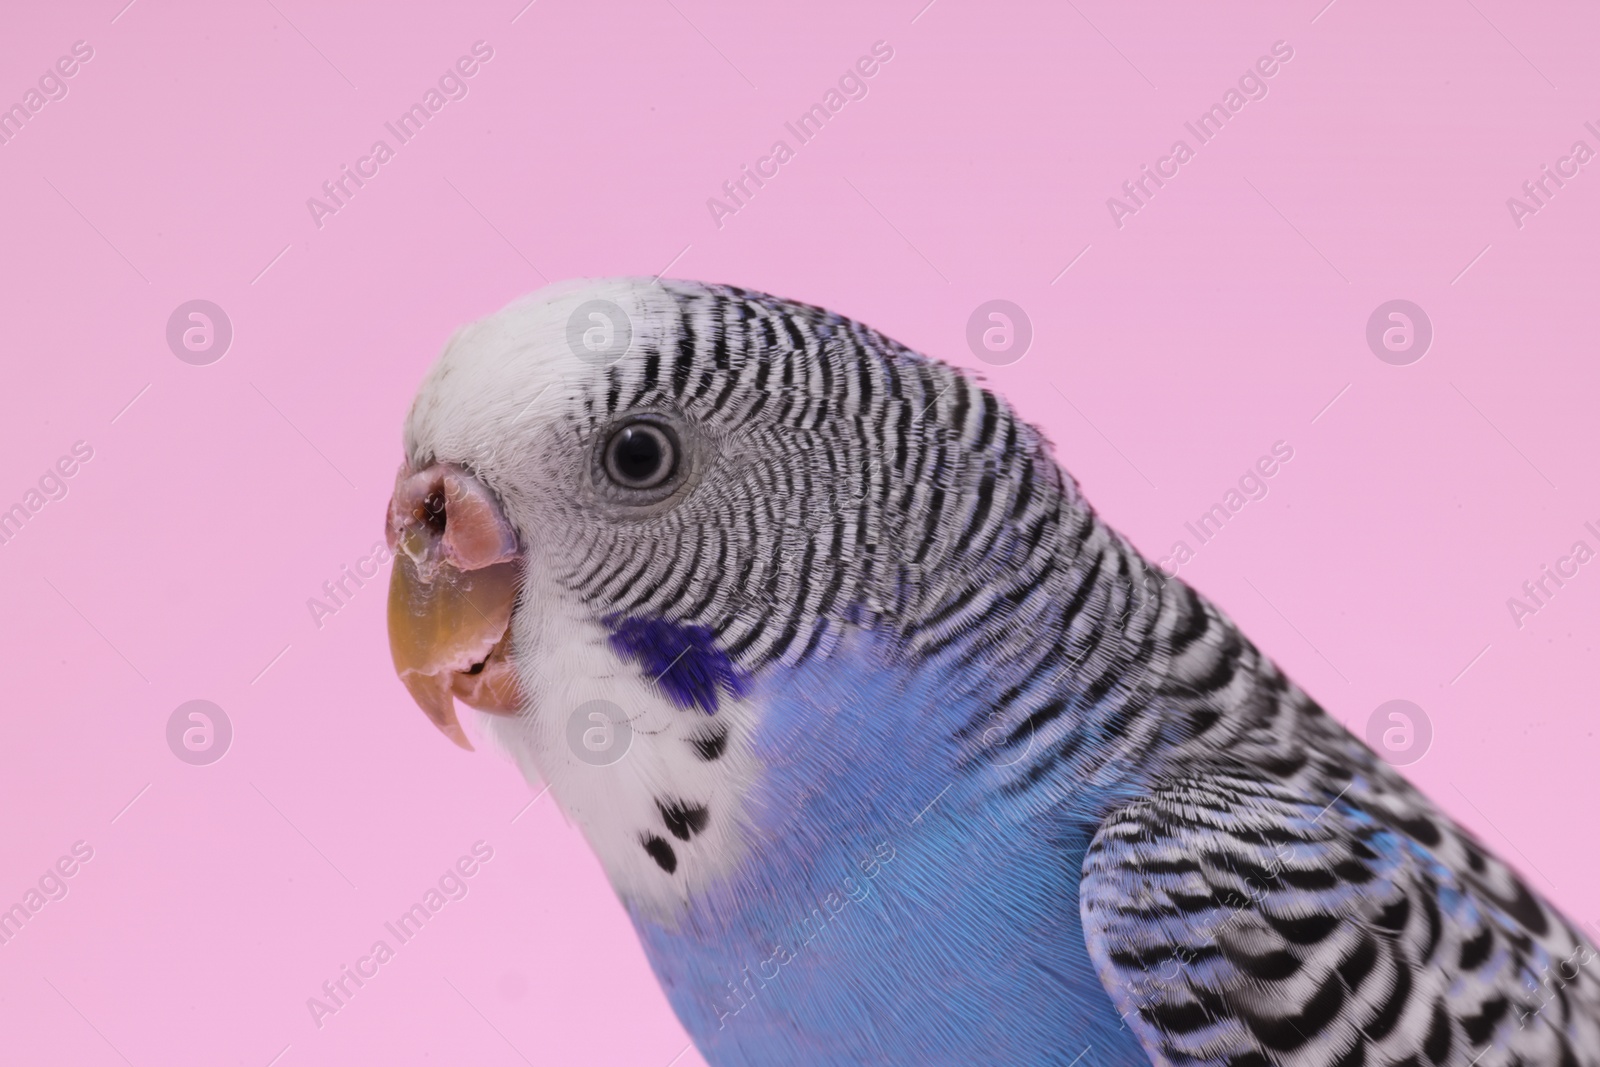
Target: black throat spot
x,y
684,820
661,852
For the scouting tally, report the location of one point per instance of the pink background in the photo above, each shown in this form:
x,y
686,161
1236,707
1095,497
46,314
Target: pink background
x,y
1224,316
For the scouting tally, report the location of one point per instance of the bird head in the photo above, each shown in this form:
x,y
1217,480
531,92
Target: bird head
x,y
623,502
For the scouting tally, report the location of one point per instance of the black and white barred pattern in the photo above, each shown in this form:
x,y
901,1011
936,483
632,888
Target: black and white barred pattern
x,y
1323,911
859,482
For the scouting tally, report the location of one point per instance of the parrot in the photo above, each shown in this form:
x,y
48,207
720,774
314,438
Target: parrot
x,y
895,753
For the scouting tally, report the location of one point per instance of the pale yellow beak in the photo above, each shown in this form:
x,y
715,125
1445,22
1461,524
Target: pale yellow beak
x,y
456,574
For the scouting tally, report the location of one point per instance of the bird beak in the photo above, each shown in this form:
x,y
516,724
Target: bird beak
x,y
453,586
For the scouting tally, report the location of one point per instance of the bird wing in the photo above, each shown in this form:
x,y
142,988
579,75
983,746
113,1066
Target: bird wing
x,y
1240,921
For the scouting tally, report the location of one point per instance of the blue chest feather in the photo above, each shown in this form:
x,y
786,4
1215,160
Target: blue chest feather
x,y
893,908
683,660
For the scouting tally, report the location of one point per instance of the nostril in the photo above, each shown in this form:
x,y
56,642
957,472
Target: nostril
x,y
432,512
444,514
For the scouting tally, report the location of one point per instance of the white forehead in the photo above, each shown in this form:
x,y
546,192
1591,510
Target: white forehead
x,y
506,374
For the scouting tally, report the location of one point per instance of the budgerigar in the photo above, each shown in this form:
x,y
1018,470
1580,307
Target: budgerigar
x,y
897,754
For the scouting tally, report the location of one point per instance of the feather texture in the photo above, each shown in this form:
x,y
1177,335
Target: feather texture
x,y
930,766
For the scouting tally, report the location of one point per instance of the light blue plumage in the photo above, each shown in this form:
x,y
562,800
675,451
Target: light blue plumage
x,y
925,764
823,979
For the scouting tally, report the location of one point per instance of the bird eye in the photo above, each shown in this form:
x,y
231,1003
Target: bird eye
x,y
641,455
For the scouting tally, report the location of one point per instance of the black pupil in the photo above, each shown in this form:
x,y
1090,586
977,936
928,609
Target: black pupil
x,y
638,454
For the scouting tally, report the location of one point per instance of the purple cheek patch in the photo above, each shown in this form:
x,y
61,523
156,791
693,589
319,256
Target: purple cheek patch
x,y
683,661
